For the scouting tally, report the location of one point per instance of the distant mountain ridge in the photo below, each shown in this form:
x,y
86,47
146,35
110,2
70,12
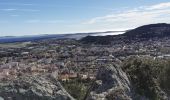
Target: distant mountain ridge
x,y
10,39
149,31
145,32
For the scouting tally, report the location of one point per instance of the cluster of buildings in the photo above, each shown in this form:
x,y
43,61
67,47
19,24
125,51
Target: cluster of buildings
x,y
70,59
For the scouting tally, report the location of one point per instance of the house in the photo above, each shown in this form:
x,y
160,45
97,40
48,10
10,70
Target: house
x,y
67,76
63,77
83,76
6,72
72,75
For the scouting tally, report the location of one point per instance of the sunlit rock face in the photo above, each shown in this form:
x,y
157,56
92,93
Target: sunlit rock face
x,y
33,88
111,84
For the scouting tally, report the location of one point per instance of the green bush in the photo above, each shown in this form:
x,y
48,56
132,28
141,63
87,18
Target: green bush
x,y
77,88
148,75
164,79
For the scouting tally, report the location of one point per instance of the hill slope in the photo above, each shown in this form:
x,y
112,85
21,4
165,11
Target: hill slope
x,y
150,31
145,32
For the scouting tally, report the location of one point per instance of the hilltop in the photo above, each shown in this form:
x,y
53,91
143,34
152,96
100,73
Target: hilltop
x,y
145,32
149,31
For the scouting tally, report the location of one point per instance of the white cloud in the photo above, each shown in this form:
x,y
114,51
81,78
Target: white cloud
x,y
24,10
159,13
9,9
160,6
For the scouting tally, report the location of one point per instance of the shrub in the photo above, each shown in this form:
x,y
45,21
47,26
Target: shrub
x,y
145,75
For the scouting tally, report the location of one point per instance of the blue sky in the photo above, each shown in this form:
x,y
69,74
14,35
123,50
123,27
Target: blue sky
x,y
32,17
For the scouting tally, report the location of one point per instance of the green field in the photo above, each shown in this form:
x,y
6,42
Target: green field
x,y
14,45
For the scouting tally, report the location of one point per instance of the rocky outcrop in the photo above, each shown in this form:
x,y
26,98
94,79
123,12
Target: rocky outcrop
x,y
111,84
33,88
137,81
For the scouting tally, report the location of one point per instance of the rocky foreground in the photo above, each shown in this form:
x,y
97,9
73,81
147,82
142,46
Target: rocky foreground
x,y
33,88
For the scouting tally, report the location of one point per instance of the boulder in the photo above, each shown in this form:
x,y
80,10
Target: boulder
x,y
42,87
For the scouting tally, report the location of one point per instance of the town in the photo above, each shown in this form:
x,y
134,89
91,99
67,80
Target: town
x,y
69,59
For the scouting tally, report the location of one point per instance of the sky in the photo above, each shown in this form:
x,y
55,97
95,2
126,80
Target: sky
x,y
33,17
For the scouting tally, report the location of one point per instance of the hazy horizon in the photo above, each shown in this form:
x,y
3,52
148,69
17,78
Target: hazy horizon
x,y
19,18
98,33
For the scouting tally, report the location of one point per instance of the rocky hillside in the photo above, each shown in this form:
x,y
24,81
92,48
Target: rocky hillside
x,y
139,34
33,88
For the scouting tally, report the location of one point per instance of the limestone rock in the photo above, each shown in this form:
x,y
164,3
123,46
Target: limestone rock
x,y
111,84
33,88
